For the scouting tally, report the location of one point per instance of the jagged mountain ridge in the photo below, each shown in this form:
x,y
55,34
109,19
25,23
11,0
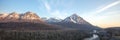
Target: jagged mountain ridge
x,y
14,16
32,16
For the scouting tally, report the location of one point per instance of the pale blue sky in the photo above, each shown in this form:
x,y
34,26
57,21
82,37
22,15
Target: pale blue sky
x,y
96,12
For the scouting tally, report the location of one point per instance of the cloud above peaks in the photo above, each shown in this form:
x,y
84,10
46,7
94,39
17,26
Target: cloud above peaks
x,y
108,6
53,12
47,6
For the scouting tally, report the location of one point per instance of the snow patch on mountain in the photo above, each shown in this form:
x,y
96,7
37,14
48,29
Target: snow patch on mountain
x,y
75,19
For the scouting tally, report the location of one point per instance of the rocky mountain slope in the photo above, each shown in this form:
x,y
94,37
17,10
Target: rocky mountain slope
x,y
75,19
16,17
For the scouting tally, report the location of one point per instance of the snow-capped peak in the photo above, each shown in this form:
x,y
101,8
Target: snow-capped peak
x,y
74,15
75,19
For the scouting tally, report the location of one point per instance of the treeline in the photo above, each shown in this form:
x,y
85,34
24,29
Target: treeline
x,y
43,35
27,26
49,35
114,31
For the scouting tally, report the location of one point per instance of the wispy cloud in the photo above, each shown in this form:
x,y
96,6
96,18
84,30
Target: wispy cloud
x,y
47,6
103,13
53,12
107,6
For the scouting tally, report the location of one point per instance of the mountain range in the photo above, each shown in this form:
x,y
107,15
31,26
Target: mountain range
x,y
29,18
16,17
75,22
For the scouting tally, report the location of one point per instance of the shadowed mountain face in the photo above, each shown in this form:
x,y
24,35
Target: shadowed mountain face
x,y
77,26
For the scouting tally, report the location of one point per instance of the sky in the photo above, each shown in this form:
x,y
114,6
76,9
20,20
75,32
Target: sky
x,y
103,13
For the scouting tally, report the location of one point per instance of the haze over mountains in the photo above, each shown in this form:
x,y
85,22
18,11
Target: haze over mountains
x,y
72,22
